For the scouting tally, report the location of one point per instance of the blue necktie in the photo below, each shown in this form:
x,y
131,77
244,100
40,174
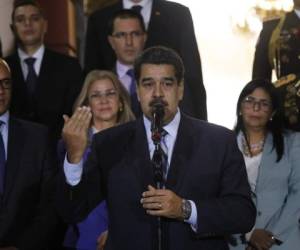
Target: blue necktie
x,y
135,105
2,160
31,78
132,88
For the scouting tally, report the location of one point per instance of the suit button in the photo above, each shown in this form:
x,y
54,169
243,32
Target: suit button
x,y
258,213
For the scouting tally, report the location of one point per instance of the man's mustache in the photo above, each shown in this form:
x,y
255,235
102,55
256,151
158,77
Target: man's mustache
x,y
158,101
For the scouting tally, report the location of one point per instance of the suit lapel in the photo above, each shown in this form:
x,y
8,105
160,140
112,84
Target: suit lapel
x,y
182,152
154,23
14,152
141,156
43,77
266,166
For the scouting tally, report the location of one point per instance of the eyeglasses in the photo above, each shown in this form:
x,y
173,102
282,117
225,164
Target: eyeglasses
x,y
167,83
252,102
123,35
109,95
5,83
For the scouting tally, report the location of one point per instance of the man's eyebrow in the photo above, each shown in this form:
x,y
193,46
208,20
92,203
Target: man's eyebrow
x,y
147,79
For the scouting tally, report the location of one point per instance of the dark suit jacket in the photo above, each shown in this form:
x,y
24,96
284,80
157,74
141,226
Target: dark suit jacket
x,y
59,83
261,65
27,219
206,167
170,25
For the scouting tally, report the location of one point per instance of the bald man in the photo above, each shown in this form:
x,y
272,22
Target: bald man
x,y
27,170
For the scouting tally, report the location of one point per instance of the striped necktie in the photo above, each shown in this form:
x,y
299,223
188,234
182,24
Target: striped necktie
x,y
164,149
2,159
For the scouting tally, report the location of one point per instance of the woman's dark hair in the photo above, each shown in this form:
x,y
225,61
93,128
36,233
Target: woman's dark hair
x,y
274,125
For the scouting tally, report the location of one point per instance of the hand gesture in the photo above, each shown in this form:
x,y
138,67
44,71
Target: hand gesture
x,y
75,133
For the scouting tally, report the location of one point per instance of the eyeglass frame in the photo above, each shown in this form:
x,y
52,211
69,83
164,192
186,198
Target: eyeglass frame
x,y
6,83
98,95
251,102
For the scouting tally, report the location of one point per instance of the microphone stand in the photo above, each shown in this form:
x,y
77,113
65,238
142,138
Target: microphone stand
x,y
157,159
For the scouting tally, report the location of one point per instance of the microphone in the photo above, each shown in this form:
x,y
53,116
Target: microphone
x,y
158,112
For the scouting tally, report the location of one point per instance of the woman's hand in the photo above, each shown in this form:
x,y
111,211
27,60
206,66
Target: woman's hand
x,y
261,239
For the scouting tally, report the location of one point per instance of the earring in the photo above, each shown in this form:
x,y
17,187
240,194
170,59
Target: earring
x,y
121,109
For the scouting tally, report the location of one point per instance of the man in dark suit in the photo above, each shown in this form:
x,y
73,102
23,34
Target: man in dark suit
x,y
46,83
278,46
206,193
27,169
168,24
127,37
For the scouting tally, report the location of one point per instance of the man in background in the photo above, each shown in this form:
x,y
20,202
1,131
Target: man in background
x,y
27,185
127,37
46,83
167,23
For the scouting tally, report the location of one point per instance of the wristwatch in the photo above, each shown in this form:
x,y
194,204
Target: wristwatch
x,y
186,208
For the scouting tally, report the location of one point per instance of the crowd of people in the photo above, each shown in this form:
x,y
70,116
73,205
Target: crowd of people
x,y
79,147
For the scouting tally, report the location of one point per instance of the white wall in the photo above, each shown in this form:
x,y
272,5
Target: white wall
x,y
5,32
226,56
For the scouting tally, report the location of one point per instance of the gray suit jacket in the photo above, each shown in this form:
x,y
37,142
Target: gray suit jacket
x,y
277,193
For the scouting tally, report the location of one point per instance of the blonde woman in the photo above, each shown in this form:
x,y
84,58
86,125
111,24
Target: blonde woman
x,y
109,102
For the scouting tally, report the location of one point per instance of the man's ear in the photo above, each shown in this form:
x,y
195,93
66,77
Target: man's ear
x,y
181,89
111,41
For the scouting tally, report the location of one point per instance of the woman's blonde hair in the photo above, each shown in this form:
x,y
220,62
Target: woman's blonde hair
x,y
125,113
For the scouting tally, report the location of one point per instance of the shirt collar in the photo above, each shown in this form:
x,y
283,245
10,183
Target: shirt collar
x,y
127,4
38,54
122,69
171,127
5,117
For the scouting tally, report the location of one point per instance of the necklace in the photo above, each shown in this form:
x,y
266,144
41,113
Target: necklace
x,y
255,148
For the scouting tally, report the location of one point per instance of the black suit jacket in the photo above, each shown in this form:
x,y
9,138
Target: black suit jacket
x,y
206,167
27,217
261,65
59,83
170,25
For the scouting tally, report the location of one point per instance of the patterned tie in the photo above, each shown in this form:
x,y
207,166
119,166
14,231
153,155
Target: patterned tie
x,y
31,78
2,160
137,8
164,149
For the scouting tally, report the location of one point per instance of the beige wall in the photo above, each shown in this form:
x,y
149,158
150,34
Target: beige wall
x,y
5,32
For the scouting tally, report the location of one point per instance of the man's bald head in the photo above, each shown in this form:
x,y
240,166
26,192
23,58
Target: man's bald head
x,y
4,64
5,86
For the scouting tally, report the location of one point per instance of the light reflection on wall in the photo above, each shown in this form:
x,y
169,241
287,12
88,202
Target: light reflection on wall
x,y
226,56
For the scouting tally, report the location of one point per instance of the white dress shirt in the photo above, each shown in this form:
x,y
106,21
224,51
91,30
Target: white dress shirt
x,y
122,74
38,55
146,9
297,12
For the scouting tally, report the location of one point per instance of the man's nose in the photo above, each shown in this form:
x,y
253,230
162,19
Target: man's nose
x,y
157,91
129,39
